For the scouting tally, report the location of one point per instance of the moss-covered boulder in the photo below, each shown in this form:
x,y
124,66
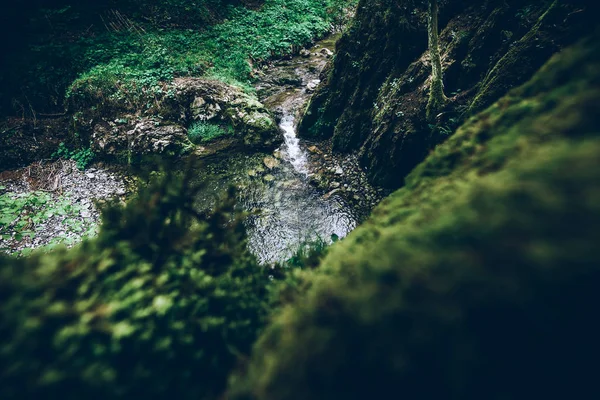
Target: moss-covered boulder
x,y
160,305
478,279
373,97
196,99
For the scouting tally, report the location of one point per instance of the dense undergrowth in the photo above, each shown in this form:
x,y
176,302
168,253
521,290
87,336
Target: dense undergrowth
x,y
200,132
131,57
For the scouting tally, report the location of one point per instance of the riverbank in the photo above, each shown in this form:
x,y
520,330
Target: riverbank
x,y
51,203
297,194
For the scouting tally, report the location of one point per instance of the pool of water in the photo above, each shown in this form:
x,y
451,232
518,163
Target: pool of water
x,y
285,211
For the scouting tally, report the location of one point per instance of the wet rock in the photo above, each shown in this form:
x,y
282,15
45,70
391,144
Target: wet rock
x,y
271,162
305,53
288,78
197,99
328,195
290,184
326,52
312,85
259,129
203,111
150,137
319,181
315,149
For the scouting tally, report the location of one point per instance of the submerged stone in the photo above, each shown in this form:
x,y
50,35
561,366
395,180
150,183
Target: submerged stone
x,y
271,162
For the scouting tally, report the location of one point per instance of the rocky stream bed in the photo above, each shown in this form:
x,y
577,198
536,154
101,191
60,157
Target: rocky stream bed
x,y
299,193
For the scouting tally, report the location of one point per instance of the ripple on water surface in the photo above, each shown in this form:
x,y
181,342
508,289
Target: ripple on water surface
x,y
285,210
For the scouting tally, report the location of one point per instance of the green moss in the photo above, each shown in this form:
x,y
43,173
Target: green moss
x,y
160,304
477,280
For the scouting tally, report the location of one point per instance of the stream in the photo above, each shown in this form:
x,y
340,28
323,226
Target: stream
x,y
286,210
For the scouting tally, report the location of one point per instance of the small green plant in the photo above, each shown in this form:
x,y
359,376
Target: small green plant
x,y
82,157
201,131
310,253
22,215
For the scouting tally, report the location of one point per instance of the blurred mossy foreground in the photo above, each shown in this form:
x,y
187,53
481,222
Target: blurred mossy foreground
x,y
478,279
160,304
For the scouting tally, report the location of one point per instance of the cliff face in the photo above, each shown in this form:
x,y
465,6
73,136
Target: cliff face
x,y
374,94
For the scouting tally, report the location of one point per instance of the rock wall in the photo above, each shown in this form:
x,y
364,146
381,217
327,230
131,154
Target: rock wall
x,y
374,93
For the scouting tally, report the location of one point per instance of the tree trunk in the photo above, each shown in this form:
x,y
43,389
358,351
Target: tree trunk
x,y
437,99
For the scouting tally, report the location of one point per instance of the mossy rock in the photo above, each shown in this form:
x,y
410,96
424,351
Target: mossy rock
x,y
477,280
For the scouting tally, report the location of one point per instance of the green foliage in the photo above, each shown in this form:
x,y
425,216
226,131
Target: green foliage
x,y
200,132
18,213
162,39
309,254
161,304
82,157
225,51
22,215
476,280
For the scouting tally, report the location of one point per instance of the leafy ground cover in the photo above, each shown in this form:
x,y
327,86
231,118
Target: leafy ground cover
x,y
82,157
128,63
24,215
201,131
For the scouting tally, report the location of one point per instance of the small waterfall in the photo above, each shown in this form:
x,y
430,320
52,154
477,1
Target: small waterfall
x,y
292,152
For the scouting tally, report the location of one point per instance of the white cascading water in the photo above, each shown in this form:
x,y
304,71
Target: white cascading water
x,y
292,151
